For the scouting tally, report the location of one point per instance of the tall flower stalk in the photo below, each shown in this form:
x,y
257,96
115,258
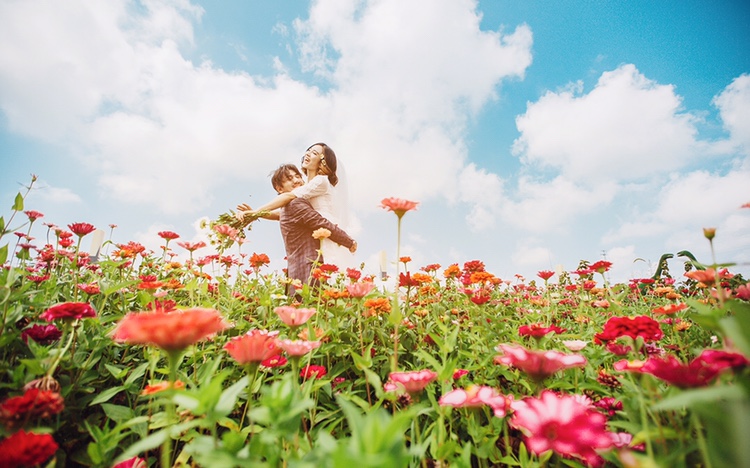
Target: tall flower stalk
x,y
400,207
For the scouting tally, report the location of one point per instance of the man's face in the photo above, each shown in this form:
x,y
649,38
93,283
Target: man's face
x,y
291,181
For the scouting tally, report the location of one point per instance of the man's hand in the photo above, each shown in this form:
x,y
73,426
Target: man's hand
x,y
353,248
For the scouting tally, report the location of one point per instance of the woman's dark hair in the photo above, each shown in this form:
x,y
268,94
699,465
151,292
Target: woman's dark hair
x,y
330,158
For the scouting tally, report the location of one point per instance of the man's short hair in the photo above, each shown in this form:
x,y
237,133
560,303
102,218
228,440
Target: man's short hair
x,y
280,175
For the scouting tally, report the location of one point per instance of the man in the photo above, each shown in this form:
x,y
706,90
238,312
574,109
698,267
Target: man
x,y
298,219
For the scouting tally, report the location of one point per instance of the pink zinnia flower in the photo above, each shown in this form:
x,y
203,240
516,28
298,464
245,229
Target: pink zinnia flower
x,y
398,205
575,345
134,462
170,331
360,289
33,215
293,316
192,246
537,364
476,396
561,423
254,346
699,372
413,382
226,230
69,310
296,348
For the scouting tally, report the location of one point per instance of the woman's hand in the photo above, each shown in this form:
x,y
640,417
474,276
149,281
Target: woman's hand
x,y
243,209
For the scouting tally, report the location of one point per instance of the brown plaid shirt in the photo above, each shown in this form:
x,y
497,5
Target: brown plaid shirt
x,y
298,220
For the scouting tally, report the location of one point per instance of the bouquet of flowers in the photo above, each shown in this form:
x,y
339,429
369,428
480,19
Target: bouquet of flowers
x,y
229,228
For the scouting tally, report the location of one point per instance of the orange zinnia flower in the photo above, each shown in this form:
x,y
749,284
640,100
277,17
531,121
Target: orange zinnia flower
x,y
254,346
161,386
170,331
398,205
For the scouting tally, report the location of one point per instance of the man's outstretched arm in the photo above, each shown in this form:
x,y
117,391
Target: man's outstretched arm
x,y
301,211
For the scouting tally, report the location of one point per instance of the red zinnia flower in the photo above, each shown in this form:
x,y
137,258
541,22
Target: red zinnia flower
x,y
458,373
89,288
563,424
168,235
537,330
353,274
398,205
35,403
69,310
601,266
81,229
42,334
27,449
170,331
642,326
33,215
313,371
413,382
537,364
274,361
545,274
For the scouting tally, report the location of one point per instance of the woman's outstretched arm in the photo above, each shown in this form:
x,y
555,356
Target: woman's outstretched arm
x,y
279,201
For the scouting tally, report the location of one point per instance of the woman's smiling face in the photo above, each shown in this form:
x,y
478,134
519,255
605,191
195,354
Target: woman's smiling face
x,y
312,157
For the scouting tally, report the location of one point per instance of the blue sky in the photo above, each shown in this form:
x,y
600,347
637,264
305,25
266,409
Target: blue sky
x,y
533,134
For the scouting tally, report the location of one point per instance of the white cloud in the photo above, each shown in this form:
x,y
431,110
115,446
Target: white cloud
x,y
734,107
162,130
553,205
48,194
626,128
689,202
532,256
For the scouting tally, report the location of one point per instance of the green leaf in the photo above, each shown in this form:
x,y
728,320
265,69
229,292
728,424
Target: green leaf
x,y
362,362
3,252
228,398
694,397
117,413
737,327
18,203
106,395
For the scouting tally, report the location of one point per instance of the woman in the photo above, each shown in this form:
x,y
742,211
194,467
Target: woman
x,y
322,189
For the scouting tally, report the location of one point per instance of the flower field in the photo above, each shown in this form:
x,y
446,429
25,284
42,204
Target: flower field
x,y
134,359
